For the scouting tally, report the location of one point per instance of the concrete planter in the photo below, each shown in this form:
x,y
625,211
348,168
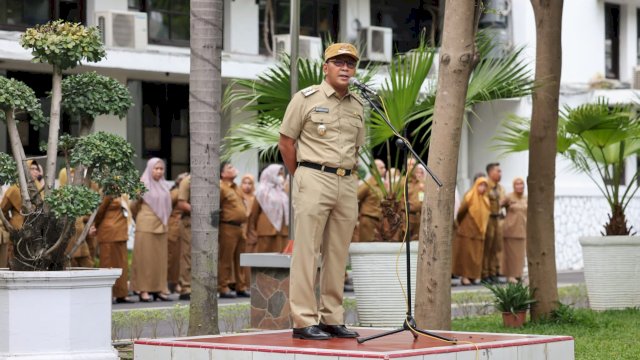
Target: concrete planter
x,y
376,281
56,314
611,271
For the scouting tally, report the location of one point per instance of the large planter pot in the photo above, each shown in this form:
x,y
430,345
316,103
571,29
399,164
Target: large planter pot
x,y
375,281
612,271
51,315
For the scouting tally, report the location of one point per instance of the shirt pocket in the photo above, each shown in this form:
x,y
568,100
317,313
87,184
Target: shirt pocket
x,y
322,126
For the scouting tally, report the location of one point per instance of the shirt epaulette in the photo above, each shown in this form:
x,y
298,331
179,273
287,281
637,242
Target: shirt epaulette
x,y
309,91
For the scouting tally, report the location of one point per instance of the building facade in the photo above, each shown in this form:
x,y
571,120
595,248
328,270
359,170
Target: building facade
x,y
147,42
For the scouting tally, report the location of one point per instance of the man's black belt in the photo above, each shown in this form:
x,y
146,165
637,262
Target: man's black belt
x,y
337,171
234,223
495,215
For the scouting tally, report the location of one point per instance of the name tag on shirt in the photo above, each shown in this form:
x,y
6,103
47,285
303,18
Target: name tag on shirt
x,y
319,109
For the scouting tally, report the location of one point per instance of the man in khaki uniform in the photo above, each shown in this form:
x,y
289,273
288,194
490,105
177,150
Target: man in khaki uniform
x,y
319,139
493,236
233,215
369,197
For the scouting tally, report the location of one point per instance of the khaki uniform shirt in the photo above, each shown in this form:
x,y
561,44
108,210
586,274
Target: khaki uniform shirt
x,y
327,129
231,205
496,197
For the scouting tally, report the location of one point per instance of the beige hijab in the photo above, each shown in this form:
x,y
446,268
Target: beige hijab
x,y
478,205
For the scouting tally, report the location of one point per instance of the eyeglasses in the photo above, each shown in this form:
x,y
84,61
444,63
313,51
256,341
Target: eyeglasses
x,y
341,63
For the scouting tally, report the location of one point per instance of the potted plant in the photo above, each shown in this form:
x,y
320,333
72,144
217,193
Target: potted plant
x,y
598,138
39,290
513,300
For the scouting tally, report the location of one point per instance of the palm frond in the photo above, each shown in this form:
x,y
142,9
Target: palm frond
x,y
262,137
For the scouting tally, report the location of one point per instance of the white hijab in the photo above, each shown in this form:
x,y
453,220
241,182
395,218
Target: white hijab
x,y
271,196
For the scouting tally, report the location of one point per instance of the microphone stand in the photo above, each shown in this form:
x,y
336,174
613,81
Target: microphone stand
x,y
409,323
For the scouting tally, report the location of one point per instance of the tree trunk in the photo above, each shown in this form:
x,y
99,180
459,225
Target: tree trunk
x,y
54,129
542,157
205,88
18,156
458,56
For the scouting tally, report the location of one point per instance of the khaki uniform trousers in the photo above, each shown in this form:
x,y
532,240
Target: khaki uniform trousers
x,y
231,238
114,255
326,211
185,256
492,248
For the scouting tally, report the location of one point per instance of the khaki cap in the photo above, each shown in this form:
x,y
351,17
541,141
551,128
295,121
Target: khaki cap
x,y
341,49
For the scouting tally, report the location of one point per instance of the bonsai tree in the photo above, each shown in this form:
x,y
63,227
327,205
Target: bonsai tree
x,y
106,160
63,45
596,138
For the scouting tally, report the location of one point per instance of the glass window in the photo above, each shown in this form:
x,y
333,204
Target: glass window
x,y
168,21
20,14
317,18
407,19
612,41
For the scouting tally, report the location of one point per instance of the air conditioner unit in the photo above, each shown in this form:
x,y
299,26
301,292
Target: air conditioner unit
x,y
309,47
377,43
123,29
636,77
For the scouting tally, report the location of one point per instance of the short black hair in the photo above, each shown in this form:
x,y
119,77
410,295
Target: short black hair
x,y
490,166
222,165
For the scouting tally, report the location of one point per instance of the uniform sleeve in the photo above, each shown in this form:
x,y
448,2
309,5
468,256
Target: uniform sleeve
x,y
293,117
362,133
184,190
363,191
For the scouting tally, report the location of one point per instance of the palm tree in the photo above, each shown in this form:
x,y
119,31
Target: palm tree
x,y
596,138
205,86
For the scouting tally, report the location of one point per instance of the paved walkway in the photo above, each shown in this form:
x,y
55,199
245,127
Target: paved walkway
x,y
564,278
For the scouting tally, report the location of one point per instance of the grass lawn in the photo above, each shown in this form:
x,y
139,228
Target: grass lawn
x,y
611,335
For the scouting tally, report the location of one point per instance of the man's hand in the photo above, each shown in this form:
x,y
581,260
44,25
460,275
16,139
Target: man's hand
x,y
287,148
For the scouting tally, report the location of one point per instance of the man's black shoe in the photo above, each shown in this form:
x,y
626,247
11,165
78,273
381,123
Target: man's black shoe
x,y
243,293
228,295
312,332
184,297
339,331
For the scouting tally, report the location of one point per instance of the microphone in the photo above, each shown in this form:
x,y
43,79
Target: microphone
x,y
355,82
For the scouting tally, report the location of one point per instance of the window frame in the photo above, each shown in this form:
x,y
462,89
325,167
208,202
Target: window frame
x,y
146,8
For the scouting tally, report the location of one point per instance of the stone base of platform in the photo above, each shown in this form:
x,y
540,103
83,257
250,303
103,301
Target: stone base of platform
x,y
272,345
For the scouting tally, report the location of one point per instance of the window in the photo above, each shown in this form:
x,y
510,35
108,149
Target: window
x,y
20,14
612,41
317,18
165,125
168,20
407,19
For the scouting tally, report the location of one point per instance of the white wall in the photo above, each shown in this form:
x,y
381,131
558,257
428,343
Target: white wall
x,y
241,31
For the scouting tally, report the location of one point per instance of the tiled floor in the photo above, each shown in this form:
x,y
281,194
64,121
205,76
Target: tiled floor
x,y
280,345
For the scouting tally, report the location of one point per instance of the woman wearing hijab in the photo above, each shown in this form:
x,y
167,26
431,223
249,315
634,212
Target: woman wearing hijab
x,y
149,266
472,220
176,232
269,218
514,231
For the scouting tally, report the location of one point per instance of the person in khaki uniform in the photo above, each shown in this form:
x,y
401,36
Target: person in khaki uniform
x,y
149,265
184,205
268,223
83,256
322,129
493,238
11,204
176,232
231,239
369,197
515,232
112,232
471,224
4,241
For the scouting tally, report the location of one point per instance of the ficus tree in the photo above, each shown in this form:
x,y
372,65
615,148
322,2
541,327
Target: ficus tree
x,y
106,159
63,45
